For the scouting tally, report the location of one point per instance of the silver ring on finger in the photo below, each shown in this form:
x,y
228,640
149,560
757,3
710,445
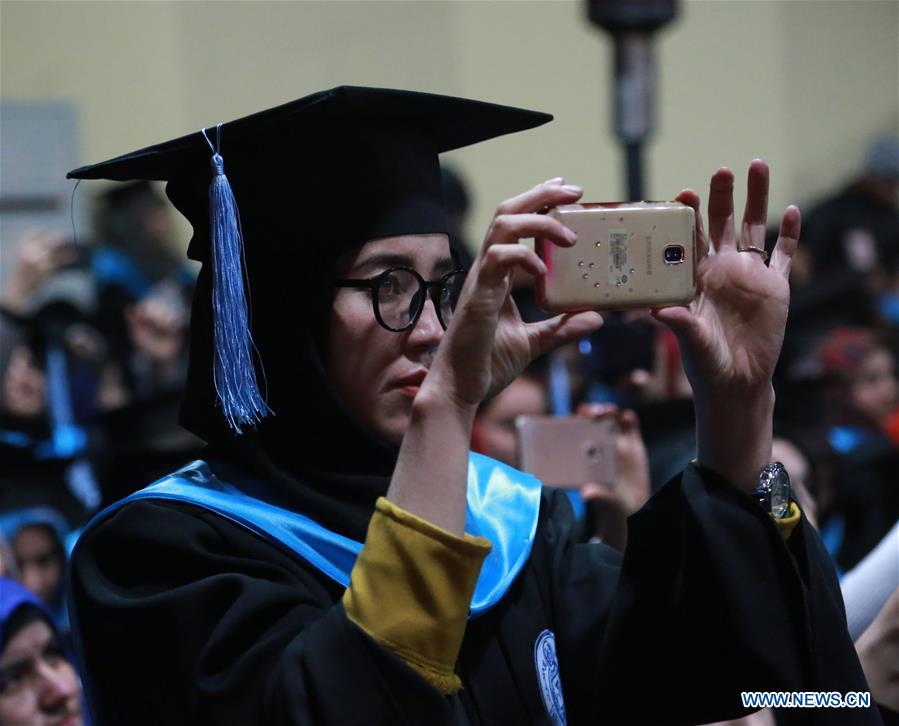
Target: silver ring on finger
x,y
758,250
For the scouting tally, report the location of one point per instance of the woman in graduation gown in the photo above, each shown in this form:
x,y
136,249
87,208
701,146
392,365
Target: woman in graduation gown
x,y
343,559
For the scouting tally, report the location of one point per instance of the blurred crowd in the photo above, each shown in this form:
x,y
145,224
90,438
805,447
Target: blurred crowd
x,y
93,356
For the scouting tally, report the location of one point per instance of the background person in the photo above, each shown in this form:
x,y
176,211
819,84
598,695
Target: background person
x,y
38,682
37,537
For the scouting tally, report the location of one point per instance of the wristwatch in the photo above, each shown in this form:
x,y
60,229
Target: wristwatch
x,y
774,493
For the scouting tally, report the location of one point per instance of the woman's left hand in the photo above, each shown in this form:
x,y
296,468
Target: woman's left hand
x,y
732,332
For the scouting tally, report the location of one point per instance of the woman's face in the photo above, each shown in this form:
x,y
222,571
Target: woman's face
x,y
874,390
377,372
38,686
39,556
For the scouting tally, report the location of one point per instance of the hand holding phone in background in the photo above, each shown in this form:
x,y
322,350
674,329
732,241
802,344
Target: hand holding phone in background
x,y
600,452
609,506
40,255
567,451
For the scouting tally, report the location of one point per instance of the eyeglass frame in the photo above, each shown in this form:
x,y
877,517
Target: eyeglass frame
x,y
424,287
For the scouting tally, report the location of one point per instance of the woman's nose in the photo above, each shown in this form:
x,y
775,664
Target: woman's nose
x,y
56,686
427,328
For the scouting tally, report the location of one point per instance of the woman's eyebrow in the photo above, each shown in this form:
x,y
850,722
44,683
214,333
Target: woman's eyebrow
x,y
447,264
395,259
384,259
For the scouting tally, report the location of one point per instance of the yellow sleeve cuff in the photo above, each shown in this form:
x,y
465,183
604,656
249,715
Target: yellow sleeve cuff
x,y
787,524
410,590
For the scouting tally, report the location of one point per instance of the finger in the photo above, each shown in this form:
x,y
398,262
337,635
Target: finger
x,y
681,321
64,254
628,423
509,228
787,240
595,492
44,243
596,410
54,240
549,194
691,199
721,210
500,259
547,335
755,215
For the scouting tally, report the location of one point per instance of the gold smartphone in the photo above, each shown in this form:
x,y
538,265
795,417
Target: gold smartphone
x,y
627,255
567,451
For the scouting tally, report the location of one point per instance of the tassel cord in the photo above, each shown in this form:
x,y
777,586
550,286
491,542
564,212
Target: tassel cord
x,y
234,372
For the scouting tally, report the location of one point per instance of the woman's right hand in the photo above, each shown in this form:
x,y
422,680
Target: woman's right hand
x,y
487,344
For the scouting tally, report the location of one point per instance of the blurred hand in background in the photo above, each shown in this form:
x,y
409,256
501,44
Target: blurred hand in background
x,y
157,327
613,502
40,256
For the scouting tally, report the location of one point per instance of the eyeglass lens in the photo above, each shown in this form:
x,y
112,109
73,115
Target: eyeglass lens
x,y
449,295
399,298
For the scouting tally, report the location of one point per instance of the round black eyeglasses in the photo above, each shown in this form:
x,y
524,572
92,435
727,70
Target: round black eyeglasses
x,y
398,296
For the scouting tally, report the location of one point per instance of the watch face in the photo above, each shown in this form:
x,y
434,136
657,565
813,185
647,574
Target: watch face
x,y
780,495
780,503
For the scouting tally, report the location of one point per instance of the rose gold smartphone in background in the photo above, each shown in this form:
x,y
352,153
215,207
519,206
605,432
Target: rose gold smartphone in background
x,y
627,255
567,451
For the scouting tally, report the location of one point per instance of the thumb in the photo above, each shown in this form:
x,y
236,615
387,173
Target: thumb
x,y
595,492
681,321
547,335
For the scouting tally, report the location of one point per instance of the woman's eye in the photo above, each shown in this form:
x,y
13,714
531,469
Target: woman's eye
x,y
11,680
390,286
53,653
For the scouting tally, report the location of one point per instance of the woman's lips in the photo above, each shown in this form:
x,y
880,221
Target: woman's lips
x,y
411,383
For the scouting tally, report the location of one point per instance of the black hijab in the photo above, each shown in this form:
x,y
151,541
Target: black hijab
x,y
312,453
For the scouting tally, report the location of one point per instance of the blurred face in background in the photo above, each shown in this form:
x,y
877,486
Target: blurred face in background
x,y
874,391
38,554
38,685
496,421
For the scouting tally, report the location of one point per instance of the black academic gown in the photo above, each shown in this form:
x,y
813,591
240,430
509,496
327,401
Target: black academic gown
x,y
187,618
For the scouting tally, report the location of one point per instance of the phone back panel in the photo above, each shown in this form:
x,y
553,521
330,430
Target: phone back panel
x,y
567,451
618,261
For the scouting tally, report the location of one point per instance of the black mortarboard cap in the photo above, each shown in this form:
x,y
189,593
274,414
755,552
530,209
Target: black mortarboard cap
x,y
345,165
127,194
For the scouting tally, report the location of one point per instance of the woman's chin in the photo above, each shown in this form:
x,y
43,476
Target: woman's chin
x,y
391,428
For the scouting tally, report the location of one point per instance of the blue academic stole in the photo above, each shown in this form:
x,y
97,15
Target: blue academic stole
x,y
503,506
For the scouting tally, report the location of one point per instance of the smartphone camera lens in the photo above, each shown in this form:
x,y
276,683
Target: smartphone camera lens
x,y
673,254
